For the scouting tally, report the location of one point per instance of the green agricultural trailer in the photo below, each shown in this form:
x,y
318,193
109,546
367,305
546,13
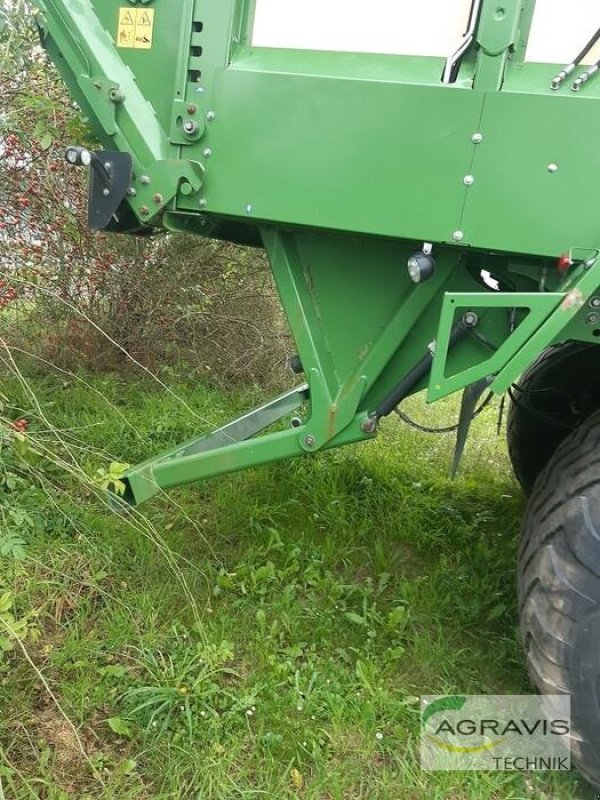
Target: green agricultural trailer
x,y
425,180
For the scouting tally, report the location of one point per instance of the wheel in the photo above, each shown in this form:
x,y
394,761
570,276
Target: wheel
x,y
555,394
559,587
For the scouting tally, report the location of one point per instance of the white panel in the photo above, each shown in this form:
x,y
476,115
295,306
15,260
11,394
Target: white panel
x,y
560,30
400,27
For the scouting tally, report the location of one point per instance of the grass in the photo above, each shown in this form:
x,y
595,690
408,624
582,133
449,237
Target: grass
x,y
264,635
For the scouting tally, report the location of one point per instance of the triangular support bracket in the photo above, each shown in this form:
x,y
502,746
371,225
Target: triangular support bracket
x,y
540,307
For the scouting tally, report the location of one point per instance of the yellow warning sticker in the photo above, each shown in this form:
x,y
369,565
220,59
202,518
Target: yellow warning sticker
x,y
136,26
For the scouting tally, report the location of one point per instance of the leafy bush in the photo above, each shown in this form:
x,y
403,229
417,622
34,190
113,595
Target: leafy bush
x,y
78,298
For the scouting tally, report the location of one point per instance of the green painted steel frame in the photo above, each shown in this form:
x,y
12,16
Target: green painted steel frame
x,y
549,314
335,398
539,307
228,449
339,407
329,140
343,164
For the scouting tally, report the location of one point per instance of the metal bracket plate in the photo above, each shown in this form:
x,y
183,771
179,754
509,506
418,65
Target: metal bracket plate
x,y
540,307
110,177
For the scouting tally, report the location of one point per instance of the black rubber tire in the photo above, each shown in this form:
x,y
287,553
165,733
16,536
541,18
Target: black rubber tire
x,y
554,395
559,587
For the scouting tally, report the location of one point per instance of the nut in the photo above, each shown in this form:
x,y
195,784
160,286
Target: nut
x,y
369,425
190,127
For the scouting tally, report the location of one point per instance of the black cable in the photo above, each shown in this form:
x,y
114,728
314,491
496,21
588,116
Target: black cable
x,y
548,418
542,390
450,428
587,47
485,341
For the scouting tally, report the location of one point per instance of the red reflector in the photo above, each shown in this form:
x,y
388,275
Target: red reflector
x,y
564,262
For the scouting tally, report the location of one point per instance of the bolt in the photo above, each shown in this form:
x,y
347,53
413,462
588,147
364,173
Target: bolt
x,y
191,109
158,198
458,236
106,192
477,138
309,441
211,116
207,153
592,319
468,180
131,192
144,211
190,127
595,302
470,319
248,209
144,180
296,422
369,425
202,202
553,168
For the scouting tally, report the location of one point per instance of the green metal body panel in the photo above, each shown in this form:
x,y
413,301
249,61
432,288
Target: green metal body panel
x,y
342,165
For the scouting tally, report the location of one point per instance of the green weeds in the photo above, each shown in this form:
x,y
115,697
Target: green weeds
x,y
264,635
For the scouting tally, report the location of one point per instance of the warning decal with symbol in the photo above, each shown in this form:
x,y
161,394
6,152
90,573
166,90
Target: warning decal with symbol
x,y
135,28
